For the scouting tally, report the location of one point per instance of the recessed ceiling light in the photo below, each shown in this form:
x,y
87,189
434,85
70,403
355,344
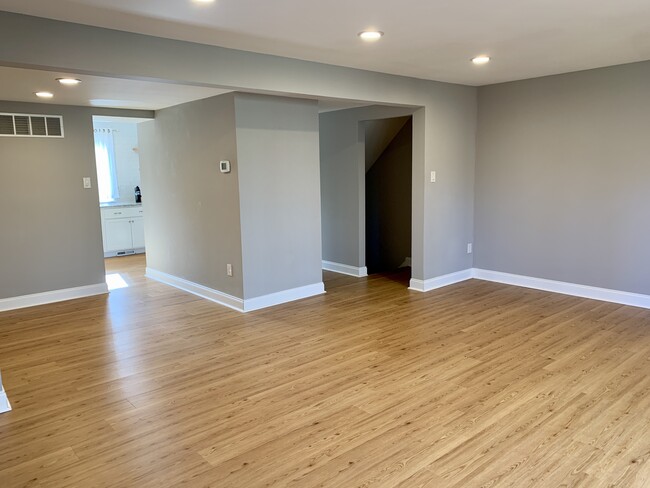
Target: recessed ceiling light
x,y
481,59
203,1
370,35
68,81
44,94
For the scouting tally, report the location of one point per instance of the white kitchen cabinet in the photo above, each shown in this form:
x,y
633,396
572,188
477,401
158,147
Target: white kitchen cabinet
x,y
123,230
118,235
137,232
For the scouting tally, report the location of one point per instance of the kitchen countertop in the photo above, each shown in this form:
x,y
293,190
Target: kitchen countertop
x,y
119,204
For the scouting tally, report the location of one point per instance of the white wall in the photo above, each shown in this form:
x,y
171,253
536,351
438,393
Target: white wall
x,y
127,161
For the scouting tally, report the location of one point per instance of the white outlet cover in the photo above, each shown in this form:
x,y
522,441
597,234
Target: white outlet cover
x,y
87,183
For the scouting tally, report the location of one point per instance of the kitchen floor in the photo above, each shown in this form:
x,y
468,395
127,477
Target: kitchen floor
x,y
125,271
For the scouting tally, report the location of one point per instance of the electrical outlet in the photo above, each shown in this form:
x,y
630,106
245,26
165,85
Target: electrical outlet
x,y
87,183
469,248
229,269
433,177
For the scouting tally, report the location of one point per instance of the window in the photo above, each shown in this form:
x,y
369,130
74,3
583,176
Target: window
x,y
106,168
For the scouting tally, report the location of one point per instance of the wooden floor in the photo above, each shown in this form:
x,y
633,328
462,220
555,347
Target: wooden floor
x,y
371,385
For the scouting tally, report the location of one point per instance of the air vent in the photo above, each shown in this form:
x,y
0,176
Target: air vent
x,y
28,125
38,126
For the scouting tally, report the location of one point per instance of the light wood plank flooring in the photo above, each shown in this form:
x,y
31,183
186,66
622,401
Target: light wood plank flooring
x,y
371,385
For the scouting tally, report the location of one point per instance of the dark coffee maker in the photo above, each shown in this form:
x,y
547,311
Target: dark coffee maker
x,y
138,195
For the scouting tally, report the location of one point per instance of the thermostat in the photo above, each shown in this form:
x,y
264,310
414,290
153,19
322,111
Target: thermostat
x,y
224,166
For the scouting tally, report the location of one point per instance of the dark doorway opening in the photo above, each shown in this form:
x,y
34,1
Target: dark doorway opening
x,y
389,148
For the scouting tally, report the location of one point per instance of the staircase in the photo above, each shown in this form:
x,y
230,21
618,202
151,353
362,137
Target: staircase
x,y
388,193
379,134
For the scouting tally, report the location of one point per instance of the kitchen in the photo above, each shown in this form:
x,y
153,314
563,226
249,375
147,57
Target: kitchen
x,y
119,186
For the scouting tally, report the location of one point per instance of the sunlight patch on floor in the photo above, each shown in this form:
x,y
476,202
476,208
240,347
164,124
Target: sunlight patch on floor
x,y
115,281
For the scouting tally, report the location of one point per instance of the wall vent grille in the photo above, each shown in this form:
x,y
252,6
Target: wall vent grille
x,y
31,125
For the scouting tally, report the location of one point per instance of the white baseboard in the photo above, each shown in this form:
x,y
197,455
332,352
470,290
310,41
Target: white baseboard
x,y
24,301
196,289
5,406
235,303
284,296
345,269
584,291
440,281
129,252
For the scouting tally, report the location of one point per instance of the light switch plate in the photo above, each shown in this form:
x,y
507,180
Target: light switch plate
x,y
87,183
224,166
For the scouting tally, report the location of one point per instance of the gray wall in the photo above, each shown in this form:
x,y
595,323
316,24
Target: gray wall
x,y
192,222
443,131
343,177
378,135
563,178
277,144
50,236
388,203
450,122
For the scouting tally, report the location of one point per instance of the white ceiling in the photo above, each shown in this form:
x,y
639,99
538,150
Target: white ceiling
x,y
108,119
432,39
19,85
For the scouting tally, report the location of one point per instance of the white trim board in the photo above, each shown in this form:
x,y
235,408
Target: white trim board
x,y
53,296
583,291
196,289
573,289
283,296
5,406
235,303
345,269
440,281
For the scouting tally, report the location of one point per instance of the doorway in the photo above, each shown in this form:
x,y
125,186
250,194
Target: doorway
x,y
120,191
388,194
